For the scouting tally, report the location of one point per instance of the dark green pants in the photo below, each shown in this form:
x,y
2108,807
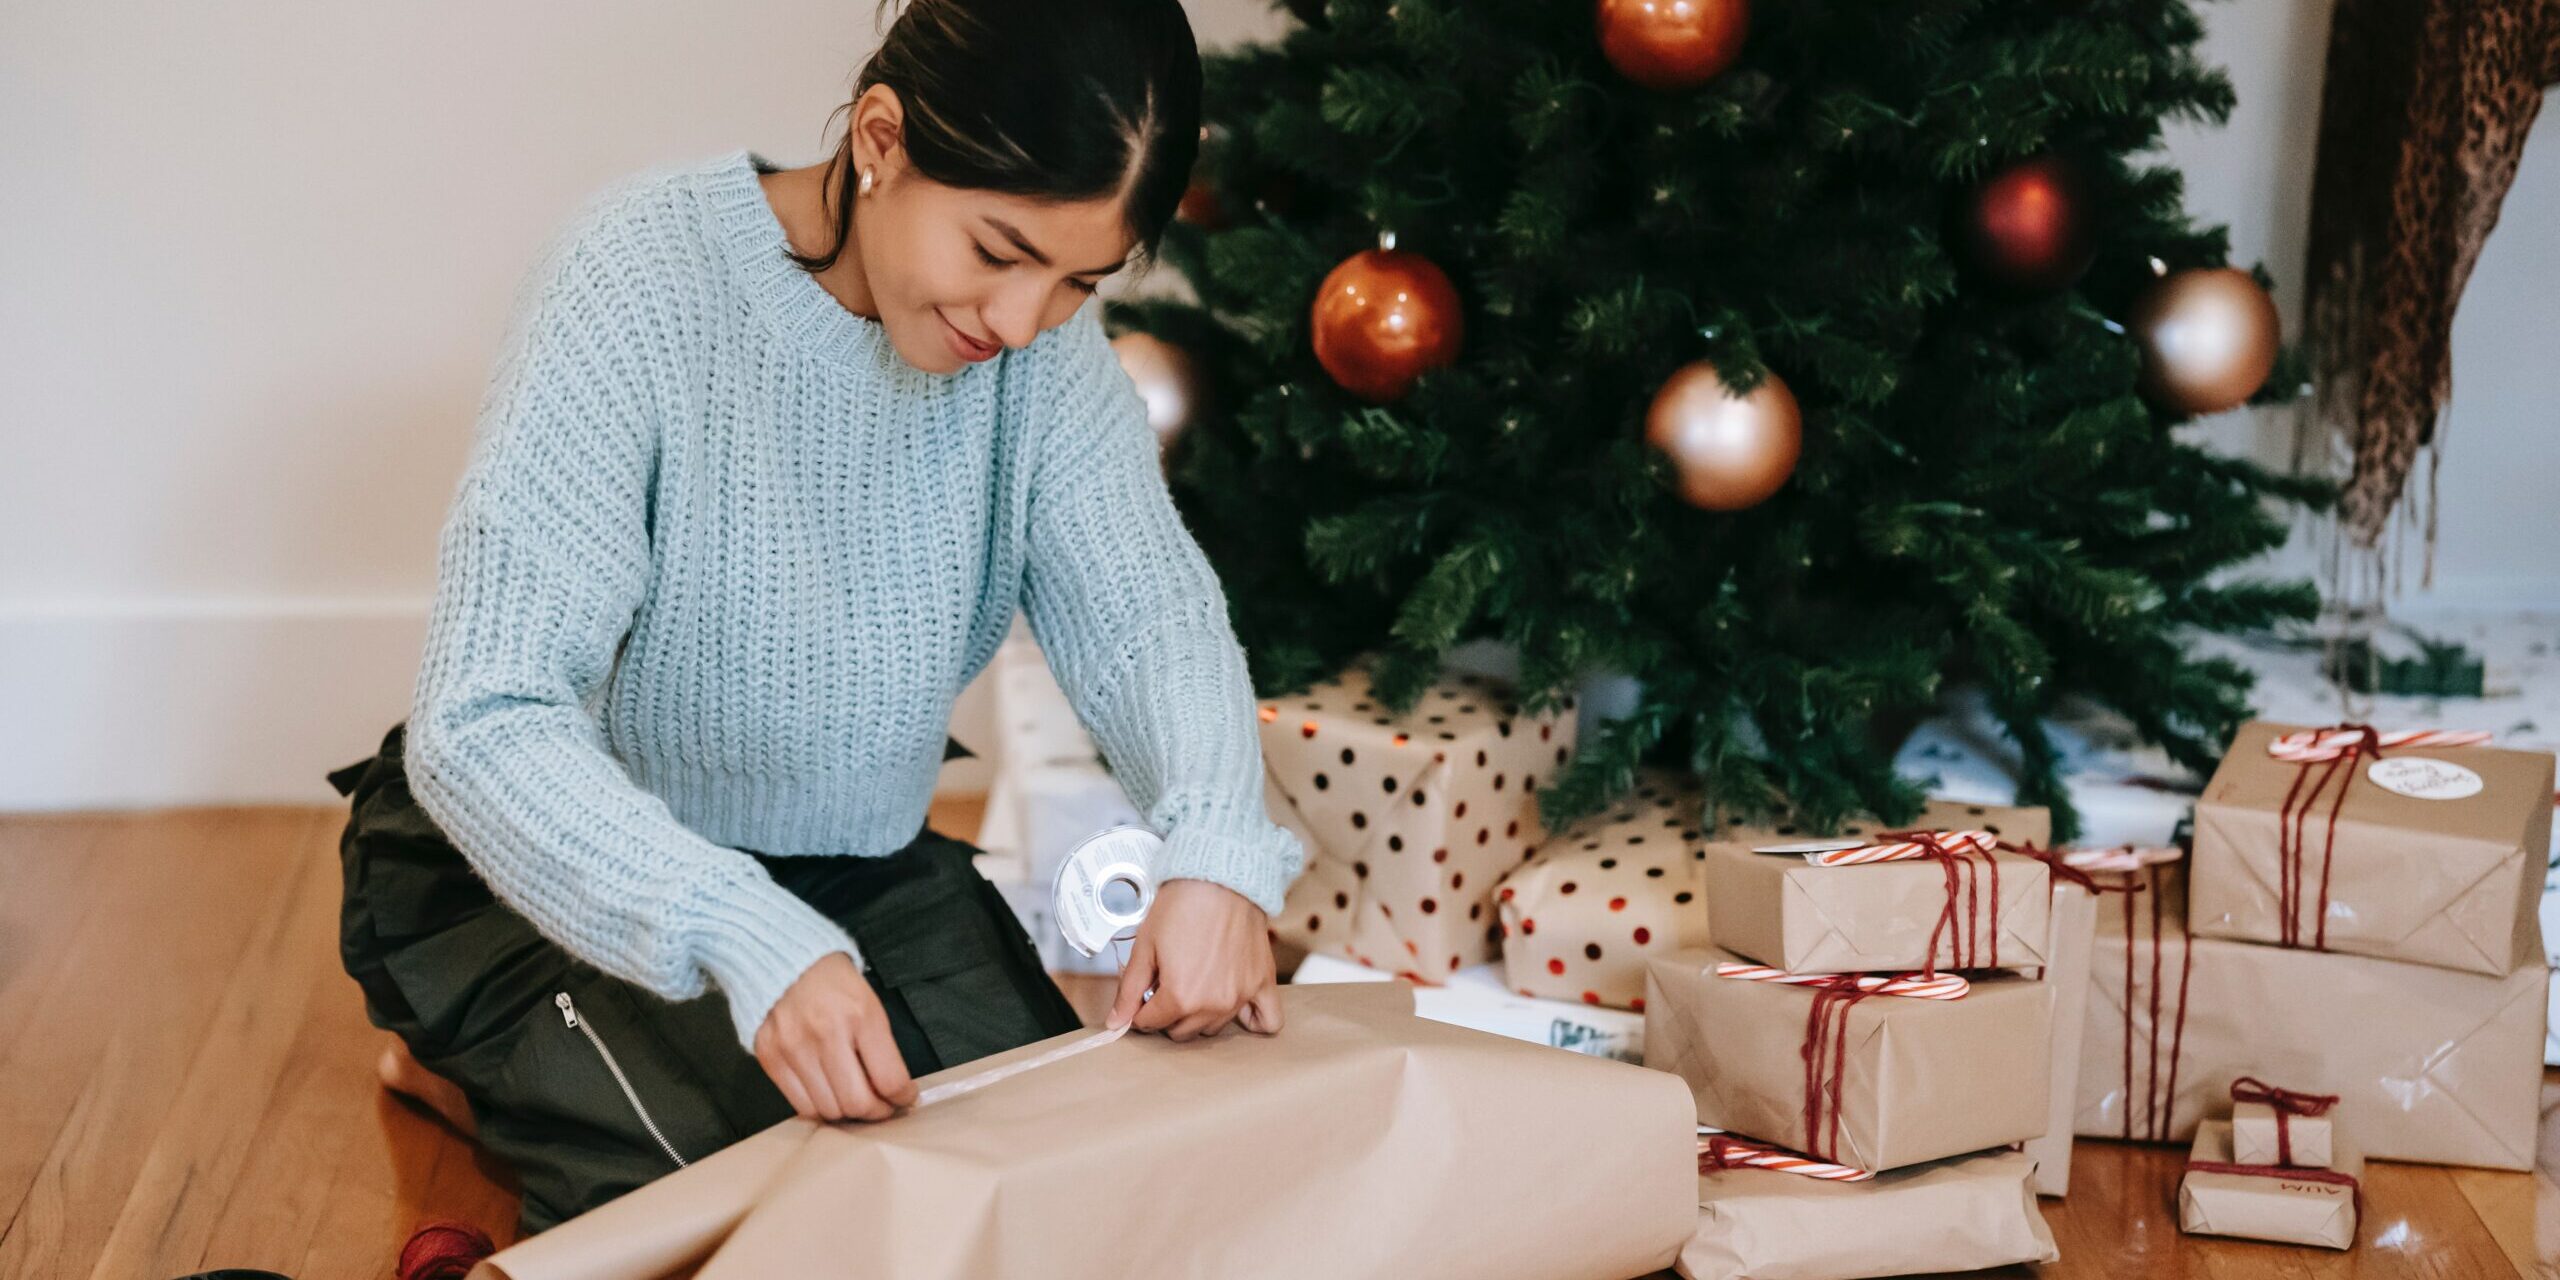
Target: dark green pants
x,y
590,1106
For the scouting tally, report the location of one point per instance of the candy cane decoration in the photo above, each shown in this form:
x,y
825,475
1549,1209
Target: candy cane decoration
x,y
1945,986
1956,842
2314,745
2124,858
1719,1150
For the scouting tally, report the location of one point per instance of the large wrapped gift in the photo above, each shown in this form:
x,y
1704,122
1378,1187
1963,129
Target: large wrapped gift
x,y
1871,1072
1580,916
1893,904
2409,846
1359,1141
2067,952
1961,1214
1409,821
2222,1195
2432,1064
1475,997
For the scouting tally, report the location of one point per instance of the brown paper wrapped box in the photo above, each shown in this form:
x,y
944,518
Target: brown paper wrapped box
x,y
1961,1214
2074,936
1359,1141
2454,882
1409,822
2301,1209
1580,916
1879,917
1920,1079
2432,1064
2260,1134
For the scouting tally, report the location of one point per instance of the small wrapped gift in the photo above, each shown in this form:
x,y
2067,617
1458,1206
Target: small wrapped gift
x,y
1869,1071
2222,1195
2436,1065
2421,845
1108,1156
2270,1125
1580,916
1475,997
1409,822
1960,1214
1920,899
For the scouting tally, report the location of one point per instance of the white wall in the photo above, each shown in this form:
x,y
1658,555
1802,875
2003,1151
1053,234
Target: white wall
x,y
255,260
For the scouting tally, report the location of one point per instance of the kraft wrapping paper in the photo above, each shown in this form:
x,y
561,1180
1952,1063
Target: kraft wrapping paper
x,y
2432,1065
2451,882
1924,1079
1360,1141
2257,1207
1960,1214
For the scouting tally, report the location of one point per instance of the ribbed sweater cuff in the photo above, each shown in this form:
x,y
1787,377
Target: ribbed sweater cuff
x,y
757,938
1251,855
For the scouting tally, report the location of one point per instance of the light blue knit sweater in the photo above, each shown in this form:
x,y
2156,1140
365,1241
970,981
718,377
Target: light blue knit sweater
x,y
721,561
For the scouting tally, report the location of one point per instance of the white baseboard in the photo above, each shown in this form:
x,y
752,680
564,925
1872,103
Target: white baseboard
x,y
140,704
122,704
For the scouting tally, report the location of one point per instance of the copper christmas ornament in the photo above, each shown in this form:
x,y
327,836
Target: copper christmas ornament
x,y
1672,44
1731,451
1383,317
2209,338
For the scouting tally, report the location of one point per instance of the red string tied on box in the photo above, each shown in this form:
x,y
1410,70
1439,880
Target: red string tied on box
x,y
2287,1104
2323,756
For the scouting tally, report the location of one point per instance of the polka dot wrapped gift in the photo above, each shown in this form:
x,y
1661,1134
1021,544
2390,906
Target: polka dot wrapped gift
x,y
1582,914
1409,821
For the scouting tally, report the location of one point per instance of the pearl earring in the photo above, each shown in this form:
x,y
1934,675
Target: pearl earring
x,y
867,176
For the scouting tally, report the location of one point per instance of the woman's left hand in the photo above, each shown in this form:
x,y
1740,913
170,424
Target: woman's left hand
x,y
1206,950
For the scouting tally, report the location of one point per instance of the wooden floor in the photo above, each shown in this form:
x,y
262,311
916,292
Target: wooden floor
x,y
186,1082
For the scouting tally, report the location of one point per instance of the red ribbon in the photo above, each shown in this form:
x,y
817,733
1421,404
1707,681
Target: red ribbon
x,y
2287,1104
1964,899
2291,873
2159,1094
1826,1060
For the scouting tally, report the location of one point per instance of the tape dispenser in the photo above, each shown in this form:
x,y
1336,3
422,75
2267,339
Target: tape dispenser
x,y
1105,886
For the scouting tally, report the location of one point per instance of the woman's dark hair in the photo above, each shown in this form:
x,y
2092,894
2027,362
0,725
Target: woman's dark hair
x,y
1062,100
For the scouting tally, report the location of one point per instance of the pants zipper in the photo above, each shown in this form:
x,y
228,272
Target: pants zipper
x,y
569,1014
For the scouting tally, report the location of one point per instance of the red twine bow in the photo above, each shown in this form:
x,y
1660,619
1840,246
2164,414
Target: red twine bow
x,y
2287,1104
1966,868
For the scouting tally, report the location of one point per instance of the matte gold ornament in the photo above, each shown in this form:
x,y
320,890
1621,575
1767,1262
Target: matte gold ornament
x,y
1731,451
1382,318
2209,337
1168,380
1669,45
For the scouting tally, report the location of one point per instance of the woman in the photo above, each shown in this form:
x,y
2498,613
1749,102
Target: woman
x,y
771,460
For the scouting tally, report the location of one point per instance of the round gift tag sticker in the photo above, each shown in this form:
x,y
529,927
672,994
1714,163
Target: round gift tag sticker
x,y
2424,779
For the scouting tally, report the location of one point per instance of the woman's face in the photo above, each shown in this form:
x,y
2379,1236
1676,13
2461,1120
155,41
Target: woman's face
x,y
960,275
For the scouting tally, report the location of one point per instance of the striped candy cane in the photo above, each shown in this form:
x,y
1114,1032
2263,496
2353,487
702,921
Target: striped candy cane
x,y
1945,986
1957,842
1720,1150
2314,745
2123,858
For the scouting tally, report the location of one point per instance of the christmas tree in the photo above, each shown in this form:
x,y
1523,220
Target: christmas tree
x,y
1929,223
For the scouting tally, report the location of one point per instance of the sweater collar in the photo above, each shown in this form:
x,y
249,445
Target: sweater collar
x,y
800,308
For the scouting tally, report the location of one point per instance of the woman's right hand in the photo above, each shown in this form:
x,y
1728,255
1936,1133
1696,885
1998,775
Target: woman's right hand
x,y
827,1045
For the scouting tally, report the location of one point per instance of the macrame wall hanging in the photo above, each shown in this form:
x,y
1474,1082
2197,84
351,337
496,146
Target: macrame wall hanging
x,y
2422,120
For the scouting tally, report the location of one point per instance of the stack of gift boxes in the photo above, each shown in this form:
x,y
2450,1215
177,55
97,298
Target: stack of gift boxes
x,y
2357,920
1873,1030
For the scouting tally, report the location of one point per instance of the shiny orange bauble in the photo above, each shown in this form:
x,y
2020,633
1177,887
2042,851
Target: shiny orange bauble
x,y
1672,44
1382,318
2209,338
1730,451
2029,225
